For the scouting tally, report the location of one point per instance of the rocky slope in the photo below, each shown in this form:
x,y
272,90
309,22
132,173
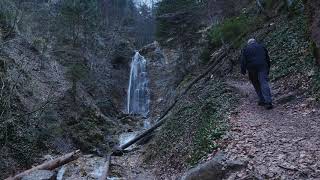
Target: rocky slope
x,y
57,96
45,115
39,111
178,145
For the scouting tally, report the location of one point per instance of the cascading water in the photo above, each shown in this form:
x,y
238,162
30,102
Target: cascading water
x,y
138,90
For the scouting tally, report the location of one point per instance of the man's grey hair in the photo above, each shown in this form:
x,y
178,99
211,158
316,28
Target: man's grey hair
x,y
252,40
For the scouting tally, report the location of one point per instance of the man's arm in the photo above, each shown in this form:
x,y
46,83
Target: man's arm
x,y
243,62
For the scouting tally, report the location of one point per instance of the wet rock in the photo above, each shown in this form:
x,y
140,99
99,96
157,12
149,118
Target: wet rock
x,y
40,175
87,167
217,168
131,121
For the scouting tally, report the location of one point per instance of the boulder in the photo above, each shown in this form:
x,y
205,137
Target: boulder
x,y
217,168
40,175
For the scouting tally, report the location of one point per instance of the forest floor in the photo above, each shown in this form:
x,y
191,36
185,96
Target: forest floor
x,y
283,143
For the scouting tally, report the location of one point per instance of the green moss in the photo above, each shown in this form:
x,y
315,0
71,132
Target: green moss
x,y
205,56
269,4
292,52
88,132
231,30
18,142
162,30
194,124
296,8
289,48
210,128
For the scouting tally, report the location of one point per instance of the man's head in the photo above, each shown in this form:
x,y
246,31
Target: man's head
x,y
251,41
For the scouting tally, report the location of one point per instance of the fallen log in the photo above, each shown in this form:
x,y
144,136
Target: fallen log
x,y
105,172
137,138
50,165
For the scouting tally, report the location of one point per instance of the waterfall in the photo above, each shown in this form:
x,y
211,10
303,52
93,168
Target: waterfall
x,y
138,90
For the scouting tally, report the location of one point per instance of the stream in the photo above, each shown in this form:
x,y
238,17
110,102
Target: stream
x,y
129,165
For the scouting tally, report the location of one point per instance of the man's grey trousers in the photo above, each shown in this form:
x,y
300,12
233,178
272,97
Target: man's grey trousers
x,y
260,81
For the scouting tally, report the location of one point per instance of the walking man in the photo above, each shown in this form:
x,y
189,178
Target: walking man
x,y
255,59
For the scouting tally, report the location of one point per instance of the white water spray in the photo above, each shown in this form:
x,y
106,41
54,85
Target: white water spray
x,y
138,99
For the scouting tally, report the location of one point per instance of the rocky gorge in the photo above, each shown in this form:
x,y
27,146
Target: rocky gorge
x,y
63,89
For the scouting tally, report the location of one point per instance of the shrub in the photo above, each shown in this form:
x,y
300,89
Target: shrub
x,y
75,73
39,43
270,4
231,30
314,49
296,8
169,6
205,55
293,7
162,29
8,14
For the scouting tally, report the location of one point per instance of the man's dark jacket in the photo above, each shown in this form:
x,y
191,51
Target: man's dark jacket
x,y
255,57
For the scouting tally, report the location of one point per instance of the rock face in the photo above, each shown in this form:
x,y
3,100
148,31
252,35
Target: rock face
x,y
86,167
163,74
109,81
167,68
42,107
215,169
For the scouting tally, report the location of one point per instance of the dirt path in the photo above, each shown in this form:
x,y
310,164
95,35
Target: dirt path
x,y
283,143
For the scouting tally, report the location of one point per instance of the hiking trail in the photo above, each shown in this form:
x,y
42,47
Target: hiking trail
x,y
282,143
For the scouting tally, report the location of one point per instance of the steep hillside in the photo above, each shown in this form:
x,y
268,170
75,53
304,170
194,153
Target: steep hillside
x,y
193,128
64,72
64,76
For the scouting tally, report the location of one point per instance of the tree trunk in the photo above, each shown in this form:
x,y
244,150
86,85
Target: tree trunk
x,y
50,165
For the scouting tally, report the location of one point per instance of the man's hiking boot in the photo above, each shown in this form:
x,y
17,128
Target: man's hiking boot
x,y
268,106
261,103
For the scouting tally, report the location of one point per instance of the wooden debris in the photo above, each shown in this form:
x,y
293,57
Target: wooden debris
x,y
50,165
